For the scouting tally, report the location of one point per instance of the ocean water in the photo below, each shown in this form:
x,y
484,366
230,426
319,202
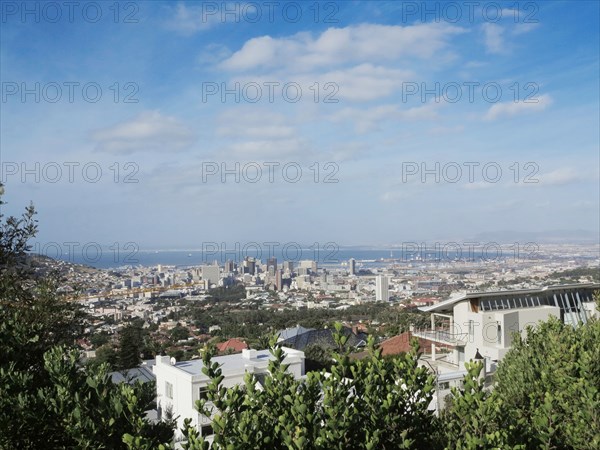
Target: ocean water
x,y
106,258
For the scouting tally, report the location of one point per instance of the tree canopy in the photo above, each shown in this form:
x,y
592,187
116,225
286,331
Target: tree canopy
x,y
47,398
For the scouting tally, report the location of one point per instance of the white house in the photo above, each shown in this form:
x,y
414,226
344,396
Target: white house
x,y
180,384
485,321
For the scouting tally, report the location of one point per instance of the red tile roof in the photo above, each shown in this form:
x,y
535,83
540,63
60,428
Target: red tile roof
x,y
401,343
232,344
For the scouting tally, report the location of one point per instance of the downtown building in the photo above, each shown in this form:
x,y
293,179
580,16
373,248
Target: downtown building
x,y
382,288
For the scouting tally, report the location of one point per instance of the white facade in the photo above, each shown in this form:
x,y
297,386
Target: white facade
x,y
382,288
486,321
180,385
352,266
308,264
211,274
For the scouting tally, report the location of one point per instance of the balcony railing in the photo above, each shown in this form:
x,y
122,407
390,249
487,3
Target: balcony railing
x,y
442,336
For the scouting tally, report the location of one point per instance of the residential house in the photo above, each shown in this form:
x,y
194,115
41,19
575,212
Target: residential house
x,y
484,322
232,346
180,384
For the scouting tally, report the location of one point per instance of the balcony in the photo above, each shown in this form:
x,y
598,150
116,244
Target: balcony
x,y
442,336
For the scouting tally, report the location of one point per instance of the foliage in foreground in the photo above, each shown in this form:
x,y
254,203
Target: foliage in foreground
x,y
47,400
374,403
546,398
546,395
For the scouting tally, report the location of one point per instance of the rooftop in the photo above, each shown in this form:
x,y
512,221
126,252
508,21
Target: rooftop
x,y
233,363
448,304
142,373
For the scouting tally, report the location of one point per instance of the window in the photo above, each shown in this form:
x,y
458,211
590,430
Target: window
x,y
169,390
206,430
471,330
499,334
203,393
260,377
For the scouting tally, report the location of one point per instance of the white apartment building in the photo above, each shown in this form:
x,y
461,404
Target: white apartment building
x,y
382,288
180,384
485,321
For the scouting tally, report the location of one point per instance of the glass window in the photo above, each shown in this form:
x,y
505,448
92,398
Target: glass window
x,y
203,393
206,430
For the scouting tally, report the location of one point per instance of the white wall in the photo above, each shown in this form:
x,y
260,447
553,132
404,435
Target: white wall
x,y
186,386
485,328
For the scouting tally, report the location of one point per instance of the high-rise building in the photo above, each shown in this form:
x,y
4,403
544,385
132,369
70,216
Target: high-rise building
x,y
278,279
309,265
382,285
211,274
352,266
229,266
288,266
249,265
272,265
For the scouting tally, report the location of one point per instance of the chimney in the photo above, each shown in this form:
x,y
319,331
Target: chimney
x,y
249,354
163,360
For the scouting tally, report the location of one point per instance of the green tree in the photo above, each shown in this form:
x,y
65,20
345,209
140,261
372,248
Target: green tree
x,y
548,387
317,357
546,394
33,317
47,399
472,418
105,355
374,403
131,346
99,339
179,333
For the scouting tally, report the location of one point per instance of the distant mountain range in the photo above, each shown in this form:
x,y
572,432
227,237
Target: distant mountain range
x,y
541,237
579,237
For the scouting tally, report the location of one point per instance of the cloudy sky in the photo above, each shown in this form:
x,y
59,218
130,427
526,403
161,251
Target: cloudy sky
x,y
177,123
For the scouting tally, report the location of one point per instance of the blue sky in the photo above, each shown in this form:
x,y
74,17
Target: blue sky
x,y
368,56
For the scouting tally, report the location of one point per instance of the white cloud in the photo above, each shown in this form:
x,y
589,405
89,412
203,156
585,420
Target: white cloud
x,y
259,150
366,120
364,82
493,38
348,151
191,19
247,123
509,109
559,177
522,28
149,131
441,131
203,16
255,136
366,43
497,38
395,196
